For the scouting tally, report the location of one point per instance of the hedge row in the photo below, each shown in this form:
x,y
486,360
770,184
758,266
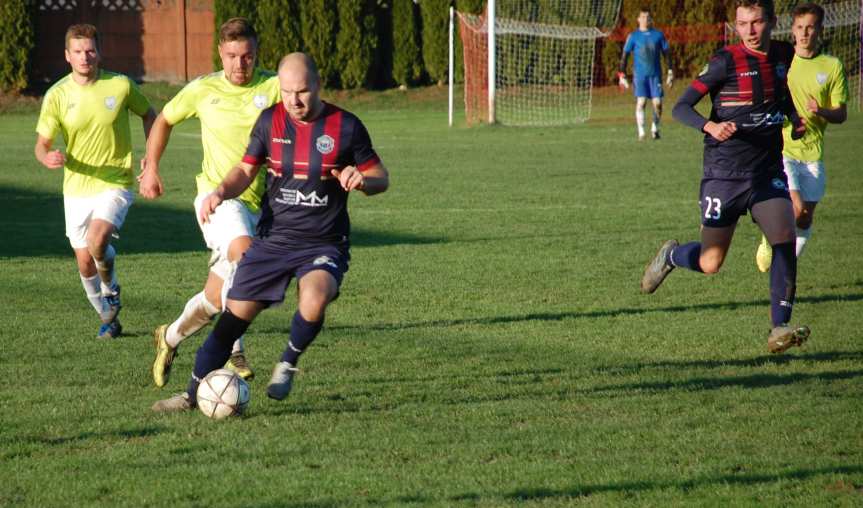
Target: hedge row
x,y
356,43
17,41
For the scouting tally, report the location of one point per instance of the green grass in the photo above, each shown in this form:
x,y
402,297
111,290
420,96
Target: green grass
x,y
490,347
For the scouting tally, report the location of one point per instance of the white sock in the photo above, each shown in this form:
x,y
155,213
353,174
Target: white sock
x,y
94,291
106,270
639,120
238,345
802,237
197,314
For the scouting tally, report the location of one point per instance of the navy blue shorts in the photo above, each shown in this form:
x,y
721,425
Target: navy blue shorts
x,y
723,202
265,271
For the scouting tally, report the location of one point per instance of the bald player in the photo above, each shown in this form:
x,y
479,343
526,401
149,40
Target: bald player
x,y
316,155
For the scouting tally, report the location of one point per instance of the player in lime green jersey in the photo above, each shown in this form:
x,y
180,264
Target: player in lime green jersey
x,y
227,103
820,91
89,108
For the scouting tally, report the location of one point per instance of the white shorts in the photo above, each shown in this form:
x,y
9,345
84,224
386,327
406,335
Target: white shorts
x,y
807,178
231,220
110,206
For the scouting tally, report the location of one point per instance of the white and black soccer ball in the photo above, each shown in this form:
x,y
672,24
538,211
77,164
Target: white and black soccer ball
x,y
222,393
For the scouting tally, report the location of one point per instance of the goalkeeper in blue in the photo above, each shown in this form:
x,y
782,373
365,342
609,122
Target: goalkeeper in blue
x,y
646,44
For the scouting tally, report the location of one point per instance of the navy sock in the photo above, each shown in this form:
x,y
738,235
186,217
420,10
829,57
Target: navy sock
x,y
302,334
686,256
783,282
214,352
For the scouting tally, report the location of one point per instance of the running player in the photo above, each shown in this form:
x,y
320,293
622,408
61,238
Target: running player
x,y
743,162
90,108
646,44
227,102
820,91
316,155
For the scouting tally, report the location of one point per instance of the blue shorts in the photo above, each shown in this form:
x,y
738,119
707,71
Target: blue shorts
x,y
647,86
265,271
723,202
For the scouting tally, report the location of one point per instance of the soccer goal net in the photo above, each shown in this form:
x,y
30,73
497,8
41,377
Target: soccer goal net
x,y
841,38
544,61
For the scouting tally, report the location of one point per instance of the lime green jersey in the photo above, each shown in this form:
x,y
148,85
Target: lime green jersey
x,y
94,122
227,113
823,78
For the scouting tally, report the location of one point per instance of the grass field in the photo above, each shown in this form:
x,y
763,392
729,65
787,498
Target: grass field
x,y
490,347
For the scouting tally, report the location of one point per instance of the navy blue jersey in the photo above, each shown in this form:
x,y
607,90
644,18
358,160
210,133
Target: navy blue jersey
x,y
304,204
749,89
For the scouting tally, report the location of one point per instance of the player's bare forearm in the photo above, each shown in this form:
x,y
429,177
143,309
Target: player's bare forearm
x,y
375,180
51,159
157,140
237,180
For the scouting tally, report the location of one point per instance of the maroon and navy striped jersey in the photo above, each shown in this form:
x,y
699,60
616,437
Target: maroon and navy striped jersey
x,y
750,89
304,204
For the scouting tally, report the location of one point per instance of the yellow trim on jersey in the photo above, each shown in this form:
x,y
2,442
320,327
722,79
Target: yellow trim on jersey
x,y
227,113
94,122
821,77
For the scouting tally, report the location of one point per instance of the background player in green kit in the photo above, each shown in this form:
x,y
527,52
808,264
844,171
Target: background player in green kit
x,y
227,102
89,108
820,91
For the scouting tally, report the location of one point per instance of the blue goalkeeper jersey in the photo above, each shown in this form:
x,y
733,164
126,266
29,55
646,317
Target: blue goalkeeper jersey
x,y
646,48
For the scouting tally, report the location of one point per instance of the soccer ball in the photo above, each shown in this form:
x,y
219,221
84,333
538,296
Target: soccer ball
x,y
222,393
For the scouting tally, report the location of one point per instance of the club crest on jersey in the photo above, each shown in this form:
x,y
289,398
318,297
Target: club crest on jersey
x,y
325,144
260,101
779,184
781,70
110,102
821,78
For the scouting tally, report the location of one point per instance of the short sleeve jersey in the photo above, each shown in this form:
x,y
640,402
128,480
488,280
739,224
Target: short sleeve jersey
x,y
227,113
94,122
646,47
305,205
748,88
821,77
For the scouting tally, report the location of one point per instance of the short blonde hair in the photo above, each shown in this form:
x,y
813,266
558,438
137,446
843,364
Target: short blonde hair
x,y
237,29
82,31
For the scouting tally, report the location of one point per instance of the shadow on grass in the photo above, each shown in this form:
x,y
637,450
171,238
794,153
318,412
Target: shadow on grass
x,y
760,361
35,224
560,316
107,436
683,485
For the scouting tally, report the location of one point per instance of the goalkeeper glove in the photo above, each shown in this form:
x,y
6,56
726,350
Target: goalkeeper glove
x,y
621,80
669,78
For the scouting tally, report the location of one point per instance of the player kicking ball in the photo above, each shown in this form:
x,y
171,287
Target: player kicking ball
x,y
820,91
743,163
316,155
90,108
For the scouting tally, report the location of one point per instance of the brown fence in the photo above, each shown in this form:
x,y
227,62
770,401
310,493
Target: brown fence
x,y
152,40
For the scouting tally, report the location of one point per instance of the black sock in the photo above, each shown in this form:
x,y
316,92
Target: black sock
x,y
214,352
686,256
783,282
302,334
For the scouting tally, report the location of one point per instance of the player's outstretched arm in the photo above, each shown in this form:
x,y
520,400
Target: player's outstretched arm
x,y
832,115
51,159
234,183
374,180
149,181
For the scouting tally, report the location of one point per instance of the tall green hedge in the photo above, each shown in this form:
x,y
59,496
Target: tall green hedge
x,y
318,24
407,56
17,41
435,38
278,28
356,41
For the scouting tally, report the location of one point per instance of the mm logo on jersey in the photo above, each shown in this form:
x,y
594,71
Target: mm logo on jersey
x,y
293,197
765,119
325,144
